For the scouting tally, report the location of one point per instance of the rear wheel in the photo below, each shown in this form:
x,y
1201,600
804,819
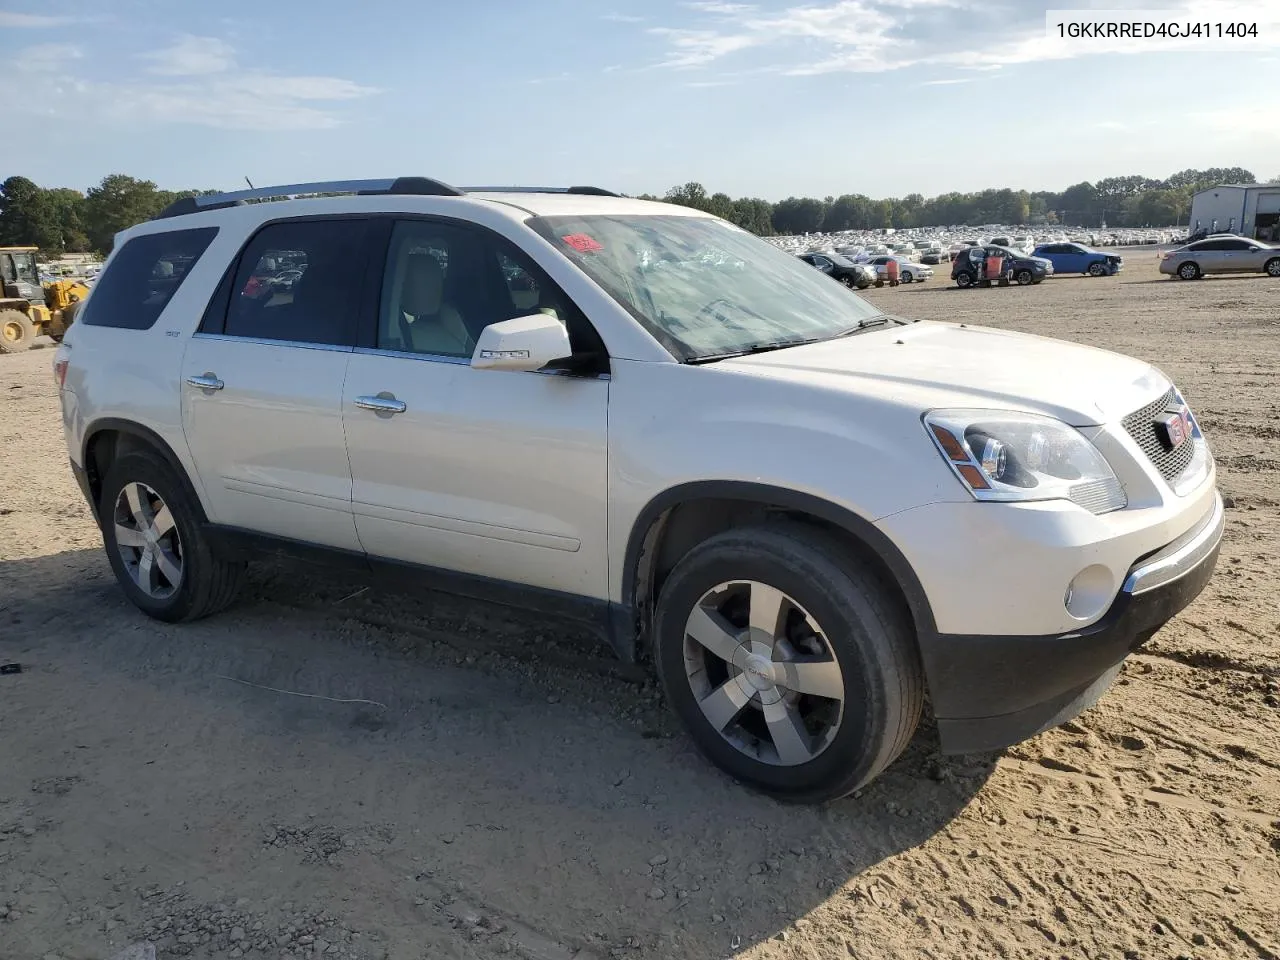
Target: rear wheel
x,y
1096,269
16,331
789,662
1189,271
155,544
1272,267
964,279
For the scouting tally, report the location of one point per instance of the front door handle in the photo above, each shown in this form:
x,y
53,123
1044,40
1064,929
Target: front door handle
x,y
206,381
382,403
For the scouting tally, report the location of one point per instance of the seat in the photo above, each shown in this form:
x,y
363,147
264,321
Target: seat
x,y
426,323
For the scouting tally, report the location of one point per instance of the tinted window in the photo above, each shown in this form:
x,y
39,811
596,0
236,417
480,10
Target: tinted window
x,y
143,277
1211,245
300,282
1235,245
445,283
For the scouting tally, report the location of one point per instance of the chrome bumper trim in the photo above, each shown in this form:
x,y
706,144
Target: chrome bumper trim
x,y
1180,557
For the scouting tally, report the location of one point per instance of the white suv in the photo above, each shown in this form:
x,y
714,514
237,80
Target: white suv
x,y
806,513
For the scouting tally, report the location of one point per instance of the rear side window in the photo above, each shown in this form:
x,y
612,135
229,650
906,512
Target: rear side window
x,y
300,282
143,277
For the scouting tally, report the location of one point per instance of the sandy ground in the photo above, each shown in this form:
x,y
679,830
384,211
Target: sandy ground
x,y
512,791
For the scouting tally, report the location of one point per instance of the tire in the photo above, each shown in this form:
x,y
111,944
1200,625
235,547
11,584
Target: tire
x,y
16,331
847,281
908,278
964,279
205,584
861,630
1024,278
1272,267
1189,271
1096,269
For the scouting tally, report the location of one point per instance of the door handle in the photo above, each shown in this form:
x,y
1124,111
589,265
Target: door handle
x,y
206,381
383,403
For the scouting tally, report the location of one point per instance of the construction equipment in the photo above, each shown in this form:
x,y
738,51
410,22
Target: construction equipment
x,y
29,308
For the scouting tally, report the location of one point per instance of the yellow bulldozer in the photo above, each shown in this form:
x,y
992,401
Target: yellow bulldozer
x,y
29,308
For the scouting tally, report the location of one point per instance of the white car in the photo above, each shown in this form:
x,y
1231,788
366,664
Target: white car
x,y
908,270
803,512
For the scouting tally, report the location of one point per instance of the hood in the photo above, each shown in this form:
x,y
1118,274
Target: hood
x,y
931,365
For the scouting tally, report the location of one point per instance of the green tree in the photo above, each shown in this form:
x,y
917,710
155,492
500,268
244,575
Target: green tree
x,y
799,215
68,207
118,203
690,195
27,217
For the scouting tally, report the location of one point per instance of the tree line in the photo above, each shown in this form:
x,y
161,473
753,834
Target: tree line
x,y
61,219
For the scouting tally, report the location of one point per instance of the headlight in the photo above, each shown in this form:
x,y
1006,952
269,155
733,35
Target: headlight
x,y
1024,456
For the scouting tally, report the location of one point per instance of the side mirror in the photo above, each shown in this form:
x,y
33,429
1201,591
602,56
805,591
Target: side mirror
x,y
523,343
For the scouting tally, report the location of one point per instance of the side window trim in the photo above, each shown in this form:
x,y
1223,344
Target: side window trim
x,y
220,306
379,259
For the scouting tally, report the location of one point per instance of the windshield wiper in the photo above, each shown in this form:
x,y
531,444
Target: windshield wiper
x,y
755,348
866,323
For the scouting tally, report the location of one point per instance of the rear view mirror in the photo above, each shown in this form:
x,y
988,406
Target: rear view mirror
x,y
523,343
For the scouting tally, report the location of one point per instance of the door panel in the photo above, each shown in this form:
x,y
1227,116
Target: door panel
x,y
501,474
269,444
495,473
262,383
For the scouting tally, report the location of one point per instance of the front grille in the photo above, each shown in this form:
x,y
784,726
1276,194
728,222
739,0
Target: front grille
x,y
1141,425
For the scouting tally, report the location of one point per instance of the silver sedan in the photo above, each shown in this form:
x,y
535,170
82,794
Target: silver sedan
x,y
1221,255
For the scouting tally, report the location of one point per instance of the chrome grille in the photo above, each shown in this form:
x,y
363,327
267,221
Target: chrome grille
x,y
1141,425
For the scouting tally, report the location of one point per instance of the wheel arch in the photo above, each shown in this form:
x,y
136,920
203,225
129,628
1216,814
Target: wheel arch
x,y
109,438
679,518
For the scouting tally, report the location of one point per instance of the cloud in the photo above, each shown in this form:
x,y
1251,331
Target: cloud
x,y
195,81
31,21
873,36
945,83
192,57
622,18
45,58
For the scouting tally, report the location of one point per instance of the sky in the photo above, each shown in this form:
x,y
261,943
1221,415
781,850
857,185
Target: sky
x,y
769,99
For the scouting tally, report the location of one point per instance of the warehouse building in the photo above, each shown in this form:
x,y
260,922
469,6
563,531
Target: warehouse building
x,y
1245,209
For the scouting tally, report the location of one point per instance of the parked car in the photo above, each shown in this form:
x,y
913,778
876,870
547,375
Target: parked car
x,y
908,271
1077,258
804,512
935,257
856,275
966,268
1221,255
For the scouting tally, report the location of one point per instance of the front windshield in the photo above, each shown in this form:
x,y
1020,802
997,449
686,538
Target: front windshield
x,y
704,287
26,267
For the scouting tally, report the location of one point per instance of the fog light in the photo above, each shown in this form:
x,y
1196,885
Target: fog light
x,y
1090,592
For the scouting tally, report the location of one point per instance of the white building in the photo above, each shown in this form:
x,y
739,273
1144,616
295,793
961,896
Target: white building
x,y
1247,209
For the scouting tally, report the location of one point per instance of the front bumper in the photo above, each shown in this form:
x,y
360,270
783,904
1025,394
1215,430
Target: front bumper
x,y
992,691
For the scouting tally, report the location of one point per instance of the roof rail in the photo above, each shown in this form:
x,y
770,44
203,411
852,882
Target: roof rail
x,y
582,191
416,186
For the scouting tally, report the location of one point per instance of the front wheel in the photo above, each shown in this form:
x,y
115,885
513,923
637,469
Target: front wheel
x,y
791,665
152,532
1096,269
1024,277
908,277
16,331
847,281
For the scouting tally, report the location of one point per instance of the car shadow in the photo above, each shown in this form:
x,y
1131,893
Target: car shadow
x,y
502,760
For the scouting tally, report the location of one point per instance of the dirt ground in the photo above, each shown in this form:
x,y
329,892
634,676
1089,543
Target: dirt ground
x,y
483,784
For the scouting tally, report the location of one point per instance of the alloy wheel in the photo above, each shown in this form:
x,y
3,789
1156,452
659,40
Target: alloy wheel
x,y
763,673
147,538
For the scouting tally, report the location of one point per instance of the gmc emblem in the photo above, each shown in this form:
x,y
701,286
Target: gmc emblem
x,y
1174,427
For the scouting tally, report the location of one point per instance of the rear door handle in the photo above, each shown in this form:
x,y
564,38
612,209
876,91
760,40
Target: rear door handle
x,y
206,381
382,403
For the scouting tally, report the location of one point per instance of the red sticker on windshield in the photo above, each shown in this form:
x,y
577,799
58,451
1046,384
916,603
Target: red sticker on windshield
x,y
582,243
